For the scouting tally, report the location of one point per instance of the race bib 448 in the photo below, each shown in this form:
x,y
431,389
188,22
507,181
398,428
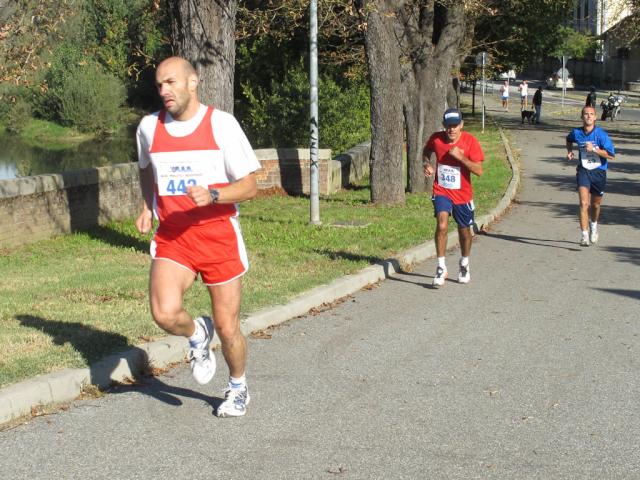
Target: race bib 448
x,y
449,176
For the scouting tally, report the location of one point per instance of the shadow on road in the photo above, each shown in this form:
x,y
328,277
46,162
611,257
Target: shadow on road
x,y
542,242
626,254
99,350
624,293
169,394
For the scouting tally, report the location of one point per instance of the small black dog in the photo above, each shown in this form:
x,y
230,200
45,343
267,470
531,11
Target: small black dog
x,y
528,114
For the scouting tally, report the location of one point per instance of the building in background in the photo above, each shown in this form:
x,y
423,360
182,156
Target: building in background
x,y
616,62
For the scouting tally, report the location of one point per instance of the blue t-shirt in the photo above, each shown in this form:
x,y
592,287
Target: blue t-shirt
x,y
598,137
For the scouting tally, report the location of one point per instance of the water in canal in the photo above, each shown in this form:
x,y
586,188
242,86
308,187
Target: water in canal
x,y
20,160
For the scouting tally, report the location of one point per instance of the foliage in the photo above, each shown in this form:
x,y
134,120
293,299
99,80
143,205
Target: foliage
x,y
278,116
283,22
127,34
574,44
124,37
27,29
18,115
90,100
66,57
519,32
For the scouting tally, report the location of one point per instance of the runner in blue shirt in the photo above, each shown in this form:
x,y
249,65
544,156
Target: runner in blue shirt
x,y
595,150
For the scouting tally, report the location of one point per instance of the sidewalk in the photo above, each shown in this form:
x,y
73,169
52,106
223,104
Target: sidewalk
x,y
528,372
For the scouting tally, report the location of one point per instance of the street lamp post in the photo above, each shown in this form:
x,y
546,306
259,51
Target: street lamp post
x,y
313,146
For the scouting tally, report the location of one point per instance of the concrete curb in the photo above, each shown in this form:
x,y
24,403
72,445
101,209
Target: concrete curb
x,y
26,397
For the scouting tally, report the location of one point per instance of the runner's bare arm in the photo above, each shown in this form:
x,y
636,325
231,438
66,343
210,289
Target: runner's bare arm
x,y
473,167
244,189
426,162
144,222
601,152
569,150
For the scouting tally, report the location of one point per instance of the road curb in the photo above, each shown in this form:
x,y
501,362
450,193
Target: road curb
x,y
26,397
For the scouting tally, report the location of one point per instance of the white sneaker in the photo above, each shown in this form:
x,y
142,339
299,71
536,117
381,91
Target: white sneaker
x,y
464,275
584,241
203,362
235,403
441,275
593,238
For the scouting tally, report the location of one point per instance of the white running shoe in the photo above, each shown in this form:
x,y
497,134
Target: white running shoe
x,y
584,241
235,403
464,276
441,275
202,360
593,238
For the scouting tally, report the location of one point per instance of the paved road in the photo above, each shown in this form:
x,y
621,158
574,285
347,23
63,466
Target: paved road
x,y
529,372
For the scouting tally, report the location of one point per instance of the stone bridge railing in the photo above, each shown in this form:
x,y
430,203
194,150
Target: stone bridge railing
x,y
42,206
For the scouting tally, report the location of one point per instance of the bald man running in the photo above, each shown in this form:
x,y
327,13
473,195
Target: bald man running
x,y
195,165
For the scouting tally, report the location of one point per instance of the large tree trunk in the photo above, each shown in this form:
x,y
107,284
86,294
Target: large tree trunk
x,y
431,35
383,56
203,32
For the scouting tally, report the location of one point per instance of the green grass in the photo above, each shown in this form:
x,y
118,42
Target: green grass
x,y
68,301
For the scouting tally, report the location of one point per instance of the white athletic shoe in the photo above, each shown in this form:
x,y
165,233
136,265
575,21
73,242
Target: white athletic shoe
x,y
441,275
203,362
235,403
593,238
464,275
584,241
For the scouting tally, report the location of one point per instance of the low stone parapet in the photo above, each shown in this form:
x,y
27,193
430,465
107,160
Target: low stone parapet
x,y
42,206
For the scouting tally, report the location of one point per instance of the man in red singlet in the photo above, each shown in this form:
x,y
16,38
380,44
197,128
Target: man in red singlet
x,y
196,164
458,155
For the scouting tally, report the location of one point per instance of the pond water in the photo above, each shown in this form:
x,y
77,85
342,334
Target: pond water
x,y
20,160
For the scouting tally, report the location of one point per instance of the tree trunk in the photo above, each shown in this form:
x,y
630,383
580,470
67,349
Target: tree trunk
x,y
383,56
203,32
430,37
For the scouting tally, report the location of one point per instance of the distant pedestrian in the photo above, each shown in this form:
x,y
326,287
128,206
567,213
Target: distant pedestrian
x,y
591,98
523,88
458,154
595,150
537,105
504,95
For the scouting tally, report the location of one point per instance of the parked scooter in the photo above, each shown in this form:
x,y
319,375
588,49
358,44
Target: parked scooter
x,y
611,107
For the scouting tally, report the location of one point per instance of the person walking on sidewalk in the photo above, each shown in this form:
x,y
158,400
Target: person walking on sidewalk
x,y
504,95
537,105
195,165
595,150
458,154
523,88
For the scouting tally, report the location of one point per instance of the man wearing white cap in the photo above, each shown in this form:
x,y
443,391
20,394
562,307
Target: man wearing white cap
x,y
458,155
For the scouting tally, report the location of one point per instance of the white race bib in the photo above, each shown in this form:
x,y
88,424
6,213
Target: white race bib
x,y
174,175
590,160
449,177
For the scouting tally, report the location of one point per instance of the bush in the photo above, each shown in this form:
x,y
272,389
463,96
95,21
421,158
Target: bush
x,y
66,58
15,110
90,100
18,115
279,116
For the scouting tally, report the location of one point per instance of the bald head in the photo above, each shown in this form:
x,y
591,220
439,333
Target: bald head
x,y
178,63
177,83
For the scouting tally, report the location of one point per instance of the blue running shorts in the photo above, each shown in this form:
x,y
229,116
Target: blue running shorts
x,y
463,213
595,180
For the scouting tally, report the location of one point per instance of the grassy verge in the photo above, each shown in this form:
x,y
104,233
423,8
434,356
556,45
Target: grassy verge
x,y
68,301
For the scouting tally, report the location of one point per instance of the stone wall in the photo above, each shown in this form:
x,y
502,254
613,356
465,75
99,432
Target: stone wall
x,y
42,206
